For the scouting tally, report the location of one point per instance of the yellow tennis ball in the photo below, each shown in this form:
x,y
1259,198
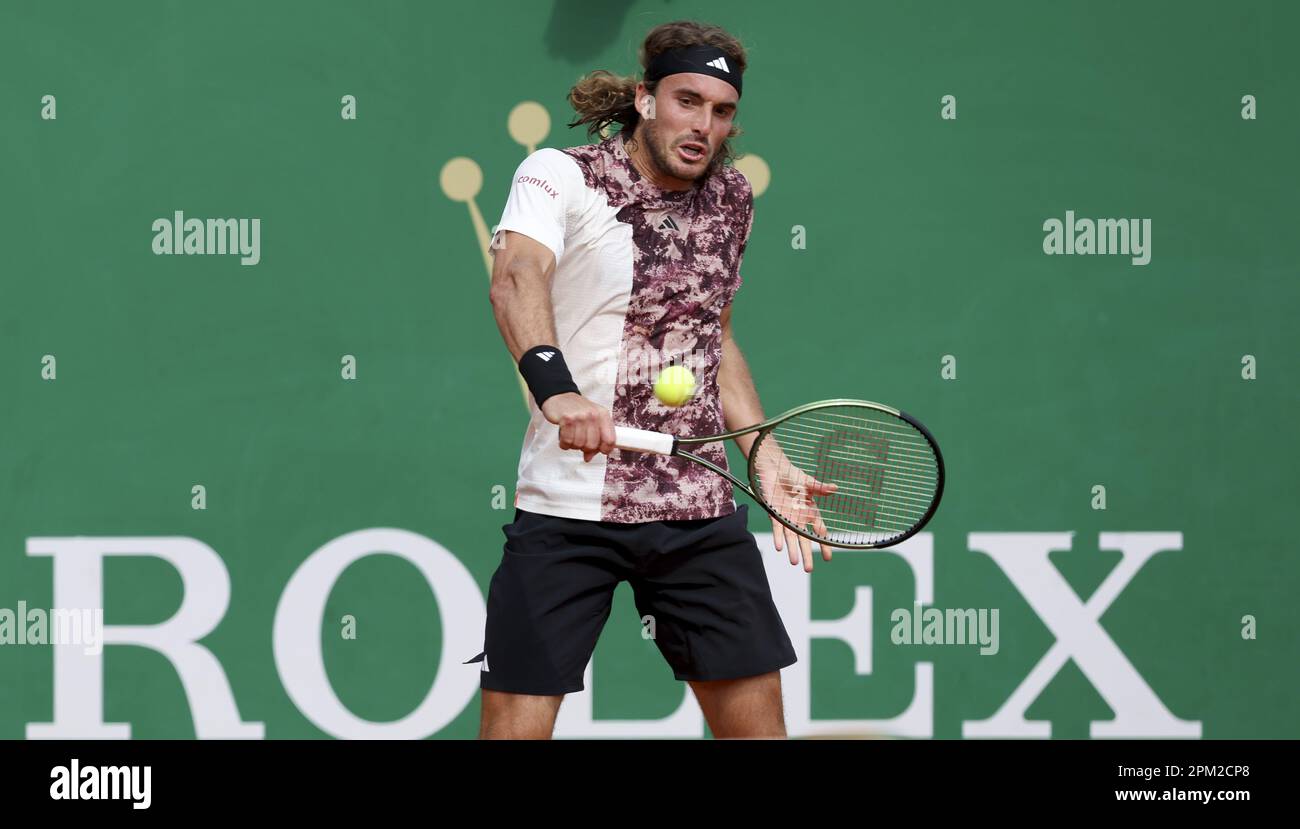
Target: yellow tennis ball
x,y
675,385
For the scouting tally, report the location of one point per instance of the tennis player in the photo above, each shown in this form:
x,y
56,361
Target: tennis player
x,y
605,253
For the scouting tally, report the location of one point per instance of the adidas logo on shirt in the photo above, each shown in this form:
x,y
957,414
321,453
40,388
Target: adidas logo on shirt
x,y
668,224
720,63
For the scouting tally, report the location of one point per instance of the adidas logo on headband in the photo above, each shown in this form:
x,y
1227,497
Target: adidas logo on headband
x,y
720,63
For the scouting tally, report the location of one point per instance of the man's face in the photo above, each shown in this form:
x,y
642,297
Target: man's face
x,y
691,117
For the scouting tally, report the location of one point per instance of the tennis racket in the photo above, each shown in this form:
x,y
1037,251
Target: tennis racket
x,y
849,473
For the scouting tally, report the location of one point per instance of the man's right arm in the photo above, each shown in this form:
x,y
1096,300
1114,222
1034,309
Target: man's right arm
x,y
521,292
522,273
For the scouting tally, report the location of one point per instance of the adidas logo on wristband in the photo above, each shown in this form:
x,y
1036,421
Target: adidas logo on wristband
x,y
546,355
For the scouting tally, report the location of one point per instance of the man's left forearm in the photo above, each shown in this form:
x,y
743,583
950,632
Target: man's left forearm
x,y
740,405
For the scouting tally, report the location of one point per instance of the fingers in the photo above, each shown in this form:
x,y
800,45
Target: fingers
x,y
812,486
805,546
819,488
798,548
607,436
778,538
785,540
576,433
819,527
591,440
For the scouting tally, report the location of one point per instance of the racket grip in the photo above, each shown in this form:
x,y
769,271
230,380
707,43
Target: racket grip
x,y
641,440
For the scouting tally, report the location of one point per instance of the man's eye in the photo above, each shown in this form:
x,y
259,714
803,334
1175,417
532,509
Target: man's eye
x,y
685,101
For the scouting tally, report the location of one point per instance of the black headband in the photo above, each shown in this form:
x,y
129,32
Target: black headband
x,y
704,60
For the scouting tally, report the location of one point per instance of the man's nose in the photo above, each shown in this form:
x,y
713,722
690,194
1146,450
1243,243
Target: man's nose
x,y
704,123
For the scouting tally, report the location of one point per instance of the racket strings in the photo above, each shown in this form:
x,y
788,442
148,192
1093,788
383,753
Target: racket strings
x,y
885,472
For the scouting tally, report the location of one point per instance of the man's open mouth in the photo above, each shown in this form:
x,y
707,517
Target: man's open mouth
x,y
691,151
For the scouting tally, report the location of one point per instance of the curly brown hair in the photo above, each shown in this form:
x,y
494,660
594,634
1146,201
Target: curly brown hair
x,y
602,98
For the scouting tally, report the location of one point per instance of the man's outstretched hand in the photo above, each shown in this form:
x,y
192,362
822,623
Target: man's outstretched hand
x,y
790,491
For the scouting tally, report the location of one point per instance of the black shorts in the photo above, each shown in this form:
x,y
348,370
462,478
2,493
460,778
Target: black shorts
x,y
701,580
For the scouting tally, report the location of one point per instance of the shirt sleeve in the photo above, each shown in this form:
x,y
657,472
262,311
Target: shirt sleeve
x,y
744,224
536,205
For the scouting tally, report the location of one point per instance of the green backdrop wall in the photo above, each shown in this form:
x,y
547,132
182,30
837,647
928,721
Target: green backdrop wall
x,y
906,159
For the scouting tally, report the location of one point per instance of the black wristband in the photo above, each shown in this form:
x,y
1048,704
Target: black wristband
x,y
546,374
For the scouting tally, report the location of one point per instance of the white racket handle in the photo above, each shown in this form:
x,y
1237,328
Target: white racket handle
x,y
640,440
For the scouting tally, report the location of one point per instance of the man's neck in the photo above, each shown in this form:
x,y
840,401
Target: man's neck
x,y
644,164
